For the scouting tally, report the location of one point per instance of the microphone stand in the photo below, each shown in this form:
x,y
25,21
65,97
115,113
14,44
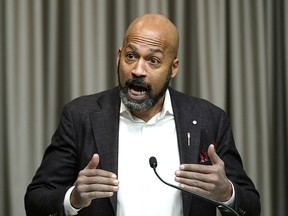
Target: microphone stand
x,y
219,205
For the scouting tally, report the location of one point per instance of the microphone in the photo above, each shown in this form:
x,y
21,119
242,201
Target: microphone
x,y
219,205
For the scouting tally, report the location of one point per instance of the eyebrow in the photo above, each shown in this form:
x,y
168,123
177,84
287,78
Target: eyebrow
x,y
131,46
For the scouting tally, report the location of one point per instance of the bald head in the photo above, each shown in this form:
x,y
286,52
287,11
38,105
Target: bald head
x,y
156,30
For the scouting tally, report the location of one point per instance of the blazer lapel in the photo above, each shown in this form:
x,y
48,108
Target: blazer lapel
x,y
105,123
188,122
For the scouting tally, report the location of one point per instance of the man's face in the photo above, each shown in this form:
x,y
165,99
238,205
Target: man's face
x,y
137,94
144,73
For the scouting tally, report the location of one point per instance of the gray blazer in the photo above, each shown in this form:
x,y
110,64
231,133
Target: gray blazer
x,y
90,124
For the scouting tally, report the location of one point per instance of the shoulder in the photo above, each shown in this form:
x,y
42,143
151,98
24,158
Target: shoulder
x,y
191,102
186,106
94,102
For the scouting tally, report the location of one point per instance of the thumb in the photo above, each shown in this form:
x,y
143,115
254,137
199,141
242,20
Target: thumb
x,y
215,159
93,162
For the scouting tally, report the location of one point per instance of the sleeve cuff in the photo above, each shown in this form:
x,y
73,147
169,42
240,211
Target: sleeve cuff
x,y
231,201
69,210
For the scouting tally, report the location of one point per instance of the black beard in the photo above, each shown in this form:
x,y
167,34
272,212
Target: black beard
x,y
149,101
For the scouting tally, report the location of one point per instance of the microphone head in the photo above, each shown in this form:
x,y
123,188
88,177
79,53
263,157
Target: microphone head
x,y
153,162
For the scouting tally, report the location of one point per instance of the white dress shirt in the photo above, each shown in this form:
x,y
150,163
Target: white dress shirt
x,y
140,191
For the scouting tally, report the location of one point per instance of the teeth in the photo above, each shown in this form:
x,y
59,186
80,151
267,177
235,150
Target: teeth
x,y
137,92
140,93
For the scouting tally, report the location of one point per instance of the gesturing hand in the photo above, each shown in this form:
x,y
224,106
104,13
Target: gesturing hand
x,y
93,183
206,180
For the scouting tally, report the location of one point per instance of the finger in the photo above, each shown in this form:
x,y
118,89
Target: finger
x,y
105,179
195,183
187,169
109,187
199,176
96,194
93,162
215,159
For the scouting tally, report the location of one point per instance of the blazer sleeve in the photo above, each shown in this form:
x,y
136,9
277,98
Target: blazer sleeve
x,y
57,172
218,130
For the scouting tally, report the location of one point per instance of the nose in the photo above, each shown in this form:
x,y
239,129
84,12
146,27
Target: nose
x,y
139,69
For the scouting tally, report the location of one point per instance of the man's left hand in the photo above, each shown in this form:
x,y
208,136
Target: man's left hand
x,y
207,180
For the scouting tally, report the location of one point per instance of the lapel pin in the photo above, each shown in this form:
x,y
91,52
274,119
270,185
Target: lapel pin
x,y
188,138
194,122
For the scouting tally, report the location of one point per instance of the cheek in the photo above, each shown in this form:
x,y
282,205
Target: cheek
x,y
156,82
162,77
123,74
121,78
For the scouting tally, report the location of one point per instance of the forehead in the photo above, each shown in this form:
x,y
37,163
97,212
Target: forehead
x,y
146,46
143,49
149,39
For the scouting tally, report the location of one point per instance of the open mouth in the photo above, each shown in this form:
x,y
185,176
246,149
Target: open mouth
x,y
137,92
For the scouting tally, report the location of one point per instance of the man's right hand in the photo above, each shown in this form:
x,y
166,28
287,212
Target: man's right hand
x,y
93,183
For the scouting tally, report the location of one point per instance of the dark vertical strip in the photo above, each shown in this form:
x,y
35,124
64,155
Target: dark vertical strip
x,y
285,107
128,9
45,24
193,37
228,91
45,29
82,56
280,128
189,49
110,24
188,62
131,9
63,83
172,17
5,197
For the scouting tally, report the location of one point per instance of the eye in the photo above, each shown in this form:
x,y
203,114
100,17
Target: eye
x,y
154,61
130,56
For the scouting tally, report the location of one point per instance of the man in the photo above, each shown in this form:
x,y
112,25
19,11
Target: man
x,y
97,163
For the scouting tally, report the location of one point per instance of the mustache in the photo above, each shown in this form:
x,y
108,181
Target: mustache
x,y
137,81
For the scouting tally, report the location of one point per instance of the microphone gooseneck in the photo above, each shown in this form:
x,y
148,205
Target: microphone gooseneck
x,y
219,205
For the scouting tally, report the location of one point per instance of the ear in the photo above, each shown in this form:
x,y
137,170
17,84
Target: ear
x,y
118,56
175,67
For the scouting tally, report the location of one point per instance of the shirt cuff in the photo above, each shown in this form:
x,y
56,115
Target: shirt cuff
x,y
68,208
230,202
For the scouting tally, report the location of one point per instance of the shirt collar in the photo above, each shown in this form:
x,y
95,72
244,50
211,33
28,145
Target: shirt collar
x,y
166,109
